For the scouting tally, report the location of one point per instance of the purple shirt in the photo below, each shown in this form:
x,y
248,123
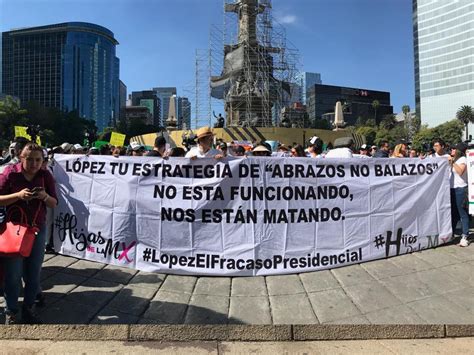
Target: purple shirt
x,y
12,180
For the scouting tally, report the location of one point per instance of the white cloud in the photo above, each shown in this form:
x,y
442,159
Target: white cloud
x,y
287,19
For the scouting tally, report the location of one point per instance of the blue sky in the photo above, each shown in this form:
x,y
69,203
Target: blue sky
x,y
357,43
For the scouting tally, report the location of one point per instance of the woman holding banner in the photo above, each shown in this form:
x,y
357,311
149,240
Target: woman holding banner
x,y
27,190
458,184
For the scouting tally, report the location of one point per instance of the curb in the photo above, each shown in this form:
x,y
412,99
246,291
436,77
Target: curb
x,y
182,333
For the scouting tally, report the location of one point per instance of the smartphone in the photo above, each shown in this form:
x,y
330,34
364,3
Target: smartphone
x,y
37,189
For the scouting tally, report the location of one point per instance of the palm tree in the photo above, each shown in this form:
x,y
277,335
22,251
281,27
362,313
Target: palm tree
x,y
375,105
465,114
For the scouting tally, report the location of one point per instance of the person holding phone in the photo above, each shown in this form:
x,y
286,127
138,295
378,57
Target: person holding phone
x,y
27,186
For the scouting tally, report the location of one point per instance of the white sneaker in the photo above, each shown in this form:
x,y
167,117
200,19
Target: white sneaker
x,y
464,242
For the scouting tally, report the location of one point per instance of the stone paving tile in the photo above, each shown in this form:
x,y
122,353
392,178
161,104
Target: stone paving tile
x,y
148,280
61,284
249,310
179,284
112,316
360,319
94,292
437,258
331,305
68,312
48,256
464,254
371,296
215,286
464,272
47,274
292,309
284,285
84,268
166,308
112,273
206,309
410,263
382,269
439,281
58,262
439,310
408,288
463,298
352,275
319,281
395,315
248,286
132,300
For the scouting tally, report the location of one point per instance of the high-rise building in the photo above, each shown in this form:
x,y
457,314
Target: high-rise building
x,y
122,99
164,94
357,102
183,112
70,66
444,58
149,99
305,81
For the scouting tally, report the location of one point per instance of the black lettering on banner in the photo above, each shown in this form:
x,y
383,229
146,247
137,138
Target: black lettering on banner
x,y
177,215
360,170
122,168
250,170
85,167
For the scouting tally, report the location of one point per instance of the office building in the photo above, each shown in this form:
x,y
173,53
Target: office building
x,y
70,66
122,99
183,112
306,80
164,94
149,99
444,58
358,103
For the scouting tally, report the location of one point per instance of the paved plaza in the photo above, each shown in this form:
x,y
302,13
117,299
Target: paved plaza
x,y
435,286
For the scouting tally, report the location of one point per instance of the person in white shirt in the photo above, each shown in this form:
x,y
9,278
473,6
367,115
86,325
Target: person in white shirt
x,y
204,148
342,148
439,147
458,182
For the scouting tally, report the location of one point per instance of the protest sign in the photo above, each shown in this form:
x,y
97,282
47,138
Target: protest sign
x,y
117,139
253,216
470,179
20,131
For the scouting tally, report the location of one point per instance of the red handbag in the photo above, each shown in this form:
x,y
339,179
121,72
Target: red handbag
x,y
17,239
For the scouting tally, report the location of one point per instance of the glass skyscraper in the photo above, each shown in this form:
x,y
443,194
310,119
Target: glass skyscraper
x,y
444,58
70,66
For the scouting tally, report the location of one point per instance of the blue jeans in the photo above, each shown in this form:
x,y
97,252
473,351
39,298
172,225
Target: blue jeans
x,y
459,209
30,269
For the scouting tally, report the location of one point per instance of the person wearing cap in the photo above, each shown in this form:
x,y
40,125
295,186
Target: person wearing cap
x,y
204,148
158,148
458,184
261,151
137,149
77,149
342,148
364,150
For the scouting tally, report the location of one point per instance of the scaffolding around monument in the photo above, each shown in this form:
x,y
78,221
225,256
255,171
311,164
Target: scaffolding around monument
x,y
252,67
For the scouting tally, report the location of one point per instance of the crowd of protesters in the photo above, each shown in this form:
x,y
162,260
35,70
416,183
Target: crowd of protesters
x,y
26,184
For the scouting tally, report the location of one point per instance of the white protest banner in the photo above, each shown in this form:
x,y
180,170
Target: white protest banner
x,y
470,179
253,216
